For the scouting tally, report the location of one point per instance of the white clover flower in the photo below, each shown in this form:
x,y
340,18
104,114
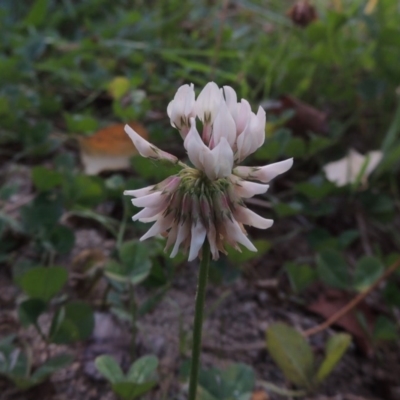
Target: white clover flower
x,y
206,202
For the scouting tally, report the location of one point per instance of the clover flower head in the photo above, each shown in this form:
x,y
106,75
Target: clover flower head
x,y
206,201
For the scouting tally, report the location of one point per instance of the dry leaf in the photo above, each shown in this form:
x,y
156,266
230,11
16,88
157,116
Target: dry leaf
x,y
108,149
331,301
306,117
259,395
348,169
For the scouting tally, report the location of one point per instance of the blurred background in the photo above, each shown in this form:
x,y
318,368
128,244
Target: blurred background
x,y
75,283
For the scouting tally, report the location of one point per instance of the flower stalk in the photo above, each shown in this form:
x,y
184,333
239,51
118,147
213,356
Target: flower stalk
x,y
198,321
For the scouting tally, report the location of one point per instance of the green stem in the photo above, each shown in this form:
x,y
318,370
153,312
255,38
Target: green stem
x,y
133,311
198,321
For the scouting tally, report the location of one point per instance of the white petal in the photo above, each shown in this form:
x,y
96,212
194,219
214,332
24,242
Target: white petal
x,y
207,103
151,200
160,226
150,212
261,119
253,136
242,116
199,154
181,108
247,189
338,172
222,161
264,174
231,100
183,232
198,234
171,236
236,235
139,192
212,239
146,149
375,158
248,217
224,126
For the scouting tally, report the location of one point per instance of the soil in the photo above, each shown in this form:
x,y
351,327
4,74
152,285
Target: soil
x,y
238,315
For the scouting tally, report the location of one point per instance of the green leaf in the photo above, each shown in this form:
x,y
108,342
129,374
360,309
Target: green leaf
x,y
367,271
334,351
61,239
136,263
37,13
50,366
81,123
385,329
109,223
86,191
130,390
239,258
391,294
300,276
348,237
43,283
142,369
109,368
332,269
30,310
292,353
43,213
118,87
45,179
73,322
234,383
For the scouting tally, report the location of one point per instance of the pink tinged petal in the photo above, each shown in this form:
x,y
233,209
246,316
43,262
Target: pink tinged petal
x,y
146,149
243,116
264,174
224,126
246,189
222,163
172,234
207,103
174,182
183,232
253,136
151,200
261,118
150,212
231,100
212,239
235,234
198,234
199,154
139,192
160,226
248,217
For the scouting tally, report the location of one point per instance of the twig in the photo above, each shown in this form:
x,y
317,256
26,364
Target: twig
x,y
353,303
259,202
363,231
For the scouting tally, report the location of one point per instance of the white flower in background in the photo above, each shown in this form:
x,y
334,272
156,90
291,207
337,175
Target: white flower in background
x,y
207,201
352,168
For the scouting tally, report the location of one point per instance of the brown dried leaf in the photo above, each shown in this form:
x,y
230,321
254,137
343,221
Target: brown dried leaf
x,y
331,301
109,148
306,117
260,395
